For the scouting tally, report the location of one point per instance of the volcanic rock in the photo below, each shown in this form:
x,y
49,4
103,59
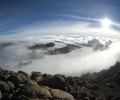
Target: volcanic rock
x,y
58,94
4,87
59,82
0,94
15,79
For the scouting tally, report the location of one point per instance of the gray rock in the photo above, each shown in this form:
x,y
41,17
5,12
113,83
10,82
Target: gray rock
x,y
4,87
86,98
22,97
58,94
84,92
23,73
71,81
59,82
10,84
7,96
3,78
0,94
35,92
45,75
38,78
34,74
43,82
15,79
23,76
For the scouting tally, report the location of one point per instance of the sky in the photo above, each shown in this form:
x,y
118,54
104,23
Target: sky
x,y
21,18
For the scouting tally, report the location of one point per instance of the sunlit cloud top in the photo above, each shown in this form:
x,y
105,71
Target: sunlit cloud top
x,y
81,17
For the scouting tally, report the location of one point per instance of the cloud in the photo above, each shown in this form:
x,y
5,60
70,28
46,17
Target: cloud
x,y
77,62
82,18
63,28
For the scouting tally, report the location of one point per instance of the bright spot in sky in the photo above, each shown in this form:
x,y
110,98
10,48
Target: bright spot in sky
x,y
106,23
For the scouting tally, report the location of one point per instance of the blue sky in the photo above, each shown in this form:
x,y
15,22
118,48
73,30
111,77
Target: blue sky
x,y
19,18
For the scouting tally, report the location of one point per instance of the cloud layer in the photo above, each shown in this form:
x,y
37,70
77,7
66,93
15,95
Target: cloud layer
x,y
17,56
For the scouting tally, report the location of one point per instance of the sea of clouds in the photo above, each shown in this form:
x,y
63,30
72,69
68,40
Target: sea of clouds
x,y
97,53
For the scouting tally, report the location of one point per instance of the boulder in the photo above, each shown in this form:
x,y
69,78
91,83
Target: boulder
x,y
38,78
34,74
23,75
45,75
75,94
86,98
84,92
69,88
44,82
35,92
22,97
4,87
117,77
59,94
3,78
28,83
0,94
59,82
10,84
7,96
15,79
71,81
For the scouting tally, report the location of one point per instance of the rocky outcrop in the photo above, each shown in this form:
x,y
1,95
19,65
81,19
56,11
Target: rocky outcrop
x,y
38,86
20,86
58,81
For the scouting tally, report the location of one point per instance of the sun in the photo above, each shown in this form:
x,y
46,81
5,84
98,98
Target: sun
x,y
106,23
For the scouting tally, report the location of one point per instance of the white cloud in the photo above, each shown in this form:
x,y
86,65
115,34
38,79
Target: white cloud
x,y
82,18
64,28
83,60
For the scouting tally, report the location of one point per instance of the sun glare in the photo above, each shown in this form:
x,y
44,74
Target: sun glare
x,y
106,23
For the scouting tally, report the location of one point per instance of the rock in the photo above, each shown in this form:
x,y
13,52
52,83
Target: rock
x,y
15,92
117,77
85,98
75,94
44,82
111,95
23,75
15,79
28,83
7,97
10,84
34,74
58,82
58,94
35,92
22,97
117,97
1,71
6,72
3,78
71,81
45,75
84,92
38,78
4,87
69,88
0,94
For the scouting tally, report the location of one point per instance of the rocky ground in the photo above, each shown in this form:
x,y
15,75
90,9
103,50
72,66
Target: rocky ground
x,y
104,85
